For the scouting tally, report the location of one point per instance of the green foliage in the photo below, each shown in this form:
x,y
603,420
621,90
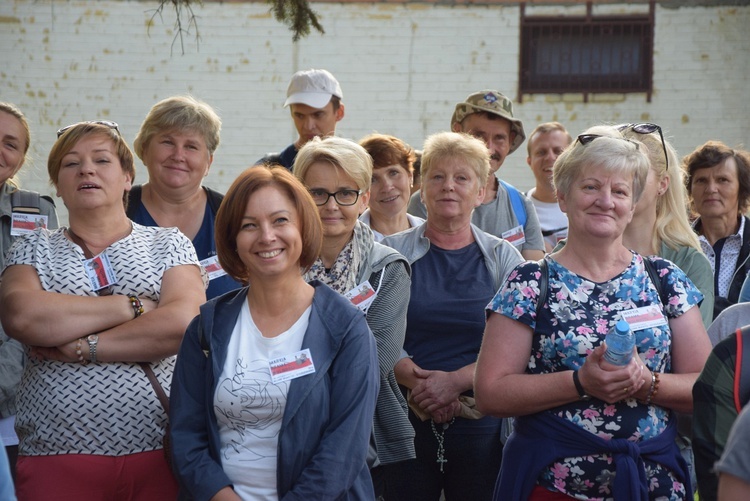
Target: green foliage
x,y
295,14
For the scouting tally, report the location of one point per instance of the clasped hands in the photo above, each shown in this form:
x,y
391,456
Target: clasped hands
x,y
437,394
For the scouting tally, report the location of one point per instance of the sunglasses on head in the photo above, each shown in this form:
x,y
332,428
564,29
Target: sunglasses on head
x,y
647,128
585,139
106,123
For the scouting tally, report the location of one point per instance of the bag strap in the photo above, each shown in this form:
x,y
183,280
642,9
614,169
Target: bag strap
x,y
541,300
26,202
742,371
134,201
516,202
654,276
160,393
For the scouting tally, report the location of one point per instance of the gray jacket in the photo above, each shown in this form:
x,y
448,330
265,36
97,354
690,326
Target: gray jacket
x,y
500,257
11,351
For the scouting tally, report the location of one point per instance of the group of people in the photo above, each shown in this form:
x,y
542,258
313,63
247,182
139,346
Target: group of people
x,y
342,334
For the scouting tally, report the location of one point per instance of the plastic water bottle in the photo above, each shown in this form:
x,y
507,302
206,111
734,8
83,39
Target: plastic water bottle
x,y
620,342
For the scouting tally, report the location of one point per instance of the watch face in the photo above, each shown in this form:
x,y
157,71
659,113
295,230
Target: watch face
x,y
93,338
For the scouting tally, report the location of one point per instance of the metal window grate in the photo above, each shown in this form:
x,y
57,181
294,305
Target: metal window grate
x,y
586,54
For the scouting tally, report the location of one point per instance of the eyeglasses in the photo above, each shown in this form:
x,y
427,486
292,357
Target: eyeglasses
x,y
585,139
342,197
106,123
647,128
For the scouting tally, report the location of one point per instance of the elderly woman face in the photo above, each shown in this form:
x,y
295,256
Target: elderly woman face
x,y
715,190
177,159
599,203
451,189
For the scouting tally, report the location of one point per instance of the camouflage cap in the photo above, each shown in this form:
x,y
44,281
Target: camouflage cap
x,y
491,101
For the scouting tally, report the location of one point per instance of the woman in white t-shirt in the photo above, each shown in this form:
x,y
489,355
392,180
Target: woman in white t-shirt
x,y
275,385
91,301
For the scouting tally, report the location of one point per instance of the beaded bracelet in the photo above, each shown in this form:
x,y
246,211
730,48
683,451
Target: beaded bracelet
x,y
79,353
137,305
654,387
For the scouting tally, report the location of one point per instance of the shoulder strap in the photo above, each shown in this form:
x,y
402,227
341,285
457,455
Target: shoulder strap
x,y
160,393
654,276
134,200
742,370
541,300
516,202
26,202
214,199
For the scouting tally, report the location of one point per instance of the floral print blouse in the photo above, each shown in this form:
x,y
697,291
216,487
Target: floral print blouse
x,y
574,320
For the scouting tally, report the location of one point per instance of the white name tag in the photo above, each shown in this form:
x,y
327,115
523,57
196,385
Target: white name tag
x,y
26,223
362,296
291,366
100,272
212,267
644,317
516,236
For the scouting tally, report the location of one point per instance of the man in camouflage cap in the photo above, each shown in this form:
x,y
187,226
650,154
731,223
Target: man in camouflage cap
x,y
505,212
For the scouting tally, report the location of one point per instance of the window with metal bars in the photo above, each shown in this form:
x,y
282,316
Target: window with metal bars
x,y
586,54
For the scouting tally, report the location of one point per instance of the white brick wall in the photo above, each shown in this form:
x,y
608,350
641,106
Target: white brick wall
x,y
402,69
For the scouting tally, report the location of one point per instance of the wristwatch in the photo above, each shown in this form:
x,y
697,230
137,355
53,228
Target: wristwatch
x,y
93,339
581,393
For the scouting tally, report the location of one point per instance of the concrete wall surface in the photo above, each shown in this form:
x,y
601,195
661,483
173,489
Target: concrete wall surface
x,y
402,67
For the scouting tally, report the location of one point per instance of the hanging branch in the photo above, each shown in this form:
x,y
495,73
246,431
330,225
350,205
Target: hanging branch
x,y
183,9
295,14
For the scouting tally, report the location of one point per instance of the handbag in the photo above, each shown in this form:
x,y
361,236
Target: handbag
x,y
162,396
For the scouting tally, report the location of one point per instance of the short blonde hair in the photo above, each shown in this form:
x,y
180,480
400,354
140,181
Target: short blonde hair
x,y
344,154
179,113
444,145
610,151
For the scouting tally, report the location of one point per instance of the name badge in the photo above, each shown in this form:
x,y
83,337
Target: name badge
x,y
26,223
362,296
100,272
644,317
212,267
291,366
516,236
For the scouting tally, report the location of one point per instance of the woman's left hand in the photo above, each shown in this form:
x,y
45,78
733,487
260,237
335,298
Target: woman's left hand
x,y
435,389
612,383
63,353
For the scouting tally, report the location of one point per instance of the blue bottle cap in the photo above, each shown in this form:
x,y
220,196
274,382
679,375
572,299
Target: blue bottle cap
x,y
622,326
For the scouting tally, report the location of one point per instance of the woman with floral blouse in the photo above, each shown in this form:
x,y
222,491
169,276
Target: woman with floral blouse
x,y
586,429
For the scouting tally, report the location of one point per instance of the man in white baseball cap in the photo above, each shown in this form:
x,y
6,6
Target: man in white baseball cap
x,y
314,100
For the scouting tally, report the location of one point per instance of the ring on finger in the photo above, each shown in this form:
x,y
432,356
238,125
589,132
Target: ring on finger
x,y
626,389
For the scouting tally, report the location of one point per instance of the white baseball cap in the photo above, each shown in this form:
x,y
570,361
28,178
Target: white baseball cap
x,y
313,88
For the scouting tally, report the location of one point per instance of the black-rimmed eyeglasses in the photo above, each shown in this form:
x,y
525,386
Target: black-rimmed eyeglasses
x,y
106,123
647,128
342,197
585,139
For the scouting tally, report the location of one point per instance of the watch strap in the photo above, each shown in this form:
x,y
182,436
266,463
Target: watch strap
x,y
579,387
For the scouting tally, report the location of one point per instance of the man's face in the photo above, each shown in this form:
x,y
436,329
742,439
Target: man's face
x,y
496,134
544,150
315,122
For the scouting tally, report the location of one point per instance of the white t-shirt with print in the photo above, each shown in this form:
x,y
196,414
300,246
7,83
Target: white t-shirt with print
x,y
249,407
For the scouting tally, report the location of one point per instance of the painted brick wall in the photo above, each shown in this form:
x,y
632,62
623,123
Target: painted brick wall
x,y
402,68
